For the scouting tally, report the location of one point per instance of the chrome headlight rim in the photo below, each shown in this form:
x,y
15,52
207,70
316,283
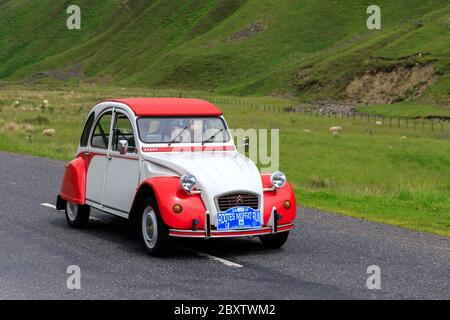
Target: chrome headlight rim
x,y
188,182
278,179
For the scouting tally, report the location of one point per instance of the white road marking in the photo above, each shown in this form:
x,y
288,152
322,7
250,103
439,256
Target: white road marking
x,y
198,253
48,205
214,258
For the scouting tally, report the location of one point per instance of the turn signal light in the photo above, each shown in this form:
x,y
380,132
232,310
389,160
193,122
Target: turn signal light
x,y
287,204
177,208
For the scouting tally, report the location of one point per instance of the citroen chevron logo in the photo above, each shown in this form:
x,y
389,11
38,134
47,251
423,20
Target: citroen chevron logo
x,y
239,200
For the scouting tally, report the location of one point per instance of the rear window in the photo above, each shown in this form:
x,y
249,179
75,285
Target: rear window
x,y
100,137
87,129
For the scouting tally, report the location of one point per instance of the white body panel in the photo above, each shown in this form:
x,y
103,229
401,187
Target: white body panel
x,y
122,180
96,179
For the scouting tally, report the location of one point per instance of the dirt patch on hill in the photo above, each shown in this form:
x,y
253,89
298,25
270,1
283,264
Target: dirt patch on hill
x,y
389,86
254,29
76,71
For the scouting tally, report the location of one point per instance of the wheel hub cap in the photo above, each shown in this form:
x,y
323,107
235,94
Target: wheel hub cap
x,y
150,227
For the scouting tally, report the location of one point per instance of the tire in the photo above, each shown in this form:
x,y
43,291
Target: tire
x,y
274,241
77,216
153,233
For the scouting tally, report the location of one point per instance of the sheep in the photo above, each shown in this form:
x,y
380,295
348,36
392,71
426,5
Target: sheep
x,y
11,126
45,103
28,128
379,123
335,129
49,132
17,103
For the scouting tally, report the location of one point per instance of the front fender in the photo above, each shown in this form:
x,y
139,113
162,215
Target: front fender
x,y
276,199
73,187
168,192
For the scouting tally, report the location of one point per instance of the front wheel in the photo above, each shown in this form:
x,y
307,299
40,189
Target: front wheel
x,y
274,241
153,232
77,216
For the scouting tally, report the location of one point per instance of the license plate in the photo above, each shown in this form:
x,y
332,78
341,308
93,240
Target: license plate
x,y
239,218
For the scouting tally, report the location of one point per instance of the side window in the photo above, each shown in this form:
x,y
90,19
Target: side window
x,y
87,129
100,138
123,130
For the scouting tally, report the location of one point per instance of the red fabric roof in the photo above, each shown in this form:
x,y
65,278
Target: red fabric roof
x,y
170,107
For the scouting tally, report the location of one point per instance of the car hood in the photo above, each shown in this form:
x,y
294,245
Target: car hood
x,y
216,172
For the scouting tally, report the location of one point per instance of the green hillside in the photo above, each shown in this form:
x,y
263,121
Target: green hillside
x,y
312,49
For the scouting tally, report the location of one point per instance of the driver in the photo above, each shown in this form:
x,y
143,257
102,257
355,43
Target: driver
x,y
180,132
196,130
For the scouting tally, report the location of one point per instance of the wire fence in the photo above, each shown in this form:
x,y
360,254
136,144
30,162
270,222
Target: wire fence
x,y
424,124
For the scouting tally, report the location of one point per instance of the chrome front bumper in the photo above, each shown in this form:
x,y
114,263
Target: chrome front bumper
x,y
207,233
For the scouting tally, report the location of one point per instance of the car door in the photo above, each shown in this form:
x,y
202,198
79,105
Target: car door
x,y
122,172
98,151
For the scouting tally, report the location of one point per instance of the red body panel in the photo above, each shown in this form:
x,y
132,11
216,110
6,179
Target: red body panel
x,y
170,107
168,192
276,199
73,186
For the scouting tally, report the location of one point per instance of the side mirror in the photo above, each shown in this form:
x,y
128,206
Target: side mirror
x,y
246,142
123,146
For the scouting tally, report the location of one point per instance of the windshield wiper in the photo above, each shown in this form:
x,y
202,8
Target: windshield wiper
x,y
178,135
210,139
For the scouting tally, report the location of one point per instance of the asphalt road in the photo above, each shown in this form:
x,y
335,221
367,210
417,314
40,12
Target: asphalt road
x,y
326,257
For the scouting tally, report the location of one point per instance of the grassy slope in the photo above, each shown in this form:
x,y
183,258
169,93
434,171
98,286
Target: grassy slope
x,y
185,43
406,110
367,171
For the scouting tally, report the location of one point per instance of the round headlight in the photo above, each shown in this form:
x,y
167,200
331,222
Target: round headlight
x,y
278,179
188,182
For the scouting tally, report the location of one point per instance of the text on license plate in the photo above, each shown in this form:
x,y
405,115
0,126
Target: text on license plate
x,y
239,218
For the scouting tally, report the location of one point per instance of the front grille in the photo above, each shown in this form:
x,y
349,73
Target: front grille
x,y
237,199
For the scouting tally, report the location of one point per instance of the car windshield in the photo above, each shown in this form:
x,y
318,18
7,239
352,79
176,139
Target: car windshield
x,y
182,130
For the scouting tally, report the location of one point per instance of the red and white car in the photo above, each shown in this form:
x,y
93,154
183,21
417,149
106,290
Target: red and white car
x,y
171,167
